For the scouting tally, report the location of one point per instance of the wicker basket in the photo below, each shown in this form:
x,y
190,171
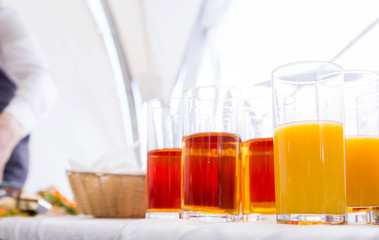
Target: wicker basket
x,y
109,195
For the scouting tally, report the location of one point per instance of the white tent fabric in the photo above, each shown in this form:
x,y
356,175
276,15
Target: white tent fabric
x,y
154,36
258,36
252,39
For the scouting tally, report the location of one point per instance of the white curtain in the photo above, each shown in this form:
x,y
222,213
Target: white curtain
x,y
154,36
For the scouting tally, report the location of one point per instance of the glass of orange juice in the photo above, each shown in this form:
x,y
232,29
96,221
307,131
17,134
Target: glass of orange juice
x,y
309,156
361,162
164,135
257,166
362,154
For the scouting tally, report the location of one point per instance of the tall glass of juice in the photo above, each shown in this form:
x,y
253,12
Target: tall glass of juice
x,y
211,154
361,161
309,155
257,168
164,134
362,152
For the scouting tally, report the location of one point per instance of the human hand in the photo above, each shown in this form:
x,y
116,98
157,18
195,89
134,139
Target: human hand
x,y
10,135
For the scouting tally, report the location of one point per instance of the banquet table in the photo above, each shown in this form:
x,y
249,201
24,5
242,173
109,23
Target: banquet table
x,y
86,227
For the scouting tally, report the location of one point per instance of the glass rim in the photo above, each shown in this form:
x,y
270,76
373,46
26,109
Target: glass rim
x,y
364,99
186,91
374,75
281,67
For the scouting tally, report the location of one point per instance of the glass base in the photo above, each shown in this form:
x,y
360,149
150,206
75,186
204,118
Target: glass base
x,y
258,217
374,215
311,219
206,217
359,215
162,215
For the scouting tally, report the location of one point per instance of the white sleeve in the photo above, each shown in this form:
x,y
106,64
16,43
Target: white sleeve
x,y
21,60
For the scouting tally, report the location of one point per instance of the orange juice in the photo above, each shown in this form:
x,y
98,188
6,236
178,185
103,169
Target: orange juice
x,y
310,168
362,171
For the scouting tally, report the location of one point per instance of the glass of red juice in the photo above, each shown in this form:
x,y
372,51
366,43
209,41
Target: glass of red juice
x,y
211,155
164,132
257,168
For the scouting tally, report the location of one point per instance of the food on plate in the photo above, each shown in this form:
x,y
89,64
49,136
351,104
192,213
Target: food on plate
x,y
50,202
54,197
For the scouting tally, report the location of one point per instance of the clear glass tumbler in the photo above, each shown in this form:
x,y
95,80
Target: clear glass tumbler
x,y
257,172
364,149
360,171
211,155
164,132
309,154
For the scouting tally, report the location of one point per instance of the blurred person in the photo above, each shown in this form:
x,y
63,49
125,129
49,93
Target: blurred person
x,y
27,93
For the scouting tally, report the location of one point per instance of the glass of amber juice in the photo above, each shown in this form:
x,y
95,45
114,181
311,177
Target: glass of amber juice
x,y
361,149
257,171
309,156
211,155
362,158
164,158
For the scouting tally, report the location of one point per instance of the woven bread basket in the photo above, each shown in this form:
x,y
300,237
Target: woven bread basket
x,y
109,195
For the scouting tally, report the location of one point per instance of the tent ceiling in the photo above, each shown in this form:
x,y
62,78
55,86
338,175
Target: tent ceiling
x,y
258,36
154,35
254,38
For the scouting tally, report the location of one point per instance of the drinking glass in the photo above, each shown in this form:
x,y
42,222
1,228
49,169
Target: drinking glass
x,y
364,153
211,155
164,158
257,175
309,141
360,170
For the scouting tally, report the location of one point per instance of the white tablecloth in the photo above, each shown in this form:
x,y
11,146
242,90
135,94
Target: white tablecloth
x,y
85,227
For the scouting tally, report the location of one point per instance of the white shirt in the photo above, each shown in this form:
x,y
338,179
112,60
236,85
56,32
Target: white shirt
x,y
22,62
